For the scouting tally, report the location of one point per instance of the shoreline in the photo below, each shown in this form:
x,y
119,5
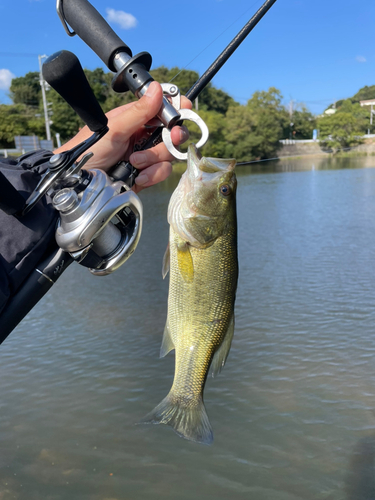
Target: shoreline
x,y
300,151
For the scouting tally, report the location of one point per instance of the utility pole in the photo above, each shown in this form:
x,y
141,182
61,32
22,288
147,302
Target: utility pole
x,y
372,112
291,117
43,85
369,102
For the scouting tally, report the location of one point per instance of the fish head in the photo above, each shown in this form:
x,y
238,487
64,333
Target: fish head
x,y
203,206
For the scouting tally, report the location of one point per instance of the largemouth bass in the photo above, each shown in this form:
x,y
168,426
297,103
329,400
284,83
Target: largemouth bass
x,y
202,259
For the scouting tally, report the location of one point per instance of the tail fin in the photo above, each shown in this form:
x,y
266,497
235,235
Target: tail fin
x,y
189,423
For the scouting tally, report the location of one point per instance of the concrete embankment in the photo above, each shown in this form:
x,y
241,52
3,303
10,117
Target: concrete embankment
x,y
313,148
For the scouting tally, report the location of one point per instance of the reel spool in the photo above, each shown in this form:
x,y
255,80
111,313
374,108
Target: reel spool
x,y
100,227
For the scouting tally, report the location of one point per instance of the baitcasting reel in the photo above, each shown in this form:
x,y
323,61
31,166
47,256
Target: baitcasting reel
x,y
100,227
100,218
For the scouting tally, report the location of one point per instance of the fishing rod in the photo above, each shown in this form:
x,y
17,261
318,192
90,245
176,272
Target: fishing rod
x,y
90,26
99,220
99,216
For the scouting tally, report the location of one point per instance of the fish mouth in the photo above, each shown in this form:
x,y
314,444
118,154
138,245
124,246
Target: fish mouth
x,y
198,164
190,215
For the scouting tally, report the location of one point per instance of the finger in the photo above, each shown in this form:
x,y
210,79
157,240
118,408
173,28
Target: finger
x,y
120,109
155,122
136,115
159,153
179,135
186,103
152,175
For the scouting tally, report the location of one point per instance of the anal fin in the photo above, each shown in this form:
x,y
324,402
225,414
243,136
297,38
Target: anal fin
x,y
167,344
222,352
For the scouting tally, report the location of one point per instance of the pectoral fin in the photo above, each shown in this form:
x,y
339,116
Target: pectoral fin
x,y
221,354
167,344
185,263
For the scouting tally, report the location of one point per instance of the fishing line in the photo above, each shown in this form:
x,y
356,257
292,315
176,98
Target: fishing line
x,y
213,41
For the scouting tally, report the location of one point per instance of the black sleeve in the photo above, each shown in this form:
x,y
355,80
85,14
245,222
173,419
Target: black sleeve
x,y
24,240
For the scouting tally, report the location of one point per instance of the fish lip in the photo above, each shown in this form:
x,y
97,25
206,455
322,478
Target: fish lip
x,y
198,164
194,158
194,152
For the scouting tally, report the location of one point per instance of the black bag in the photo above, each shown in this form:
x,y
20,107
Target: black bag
x,y
24,240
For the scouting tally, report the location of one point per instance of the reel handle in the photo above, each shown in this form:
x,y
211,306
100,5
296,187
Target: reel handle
x,y
64,73
89,25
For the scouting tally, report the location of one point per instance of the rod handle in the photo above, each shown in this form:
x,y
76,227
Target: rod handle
x,y
89,25
36,285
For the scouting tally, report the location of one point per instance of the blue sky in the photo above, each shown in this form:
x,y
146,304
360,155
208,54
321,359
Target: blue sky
x,y
314,51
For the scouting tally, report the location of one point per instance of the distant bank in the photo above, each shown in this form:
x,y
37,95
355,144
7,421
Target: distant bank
x,y
313,148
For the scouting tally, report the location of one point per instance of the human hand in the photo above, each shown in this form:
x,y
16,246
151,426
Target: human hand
x,y
126,128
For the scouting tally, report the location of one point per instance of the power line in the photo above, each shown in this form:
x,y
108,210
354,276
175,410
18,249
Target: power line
x,y
214,40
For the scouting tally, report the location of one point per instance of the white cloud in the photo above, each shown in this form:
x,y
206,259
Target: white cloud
x,y
361,59
123,19
5,78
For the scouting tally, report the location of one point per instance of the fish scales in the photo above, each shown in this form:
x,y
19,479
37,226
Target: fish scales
x,y
202,259
202,309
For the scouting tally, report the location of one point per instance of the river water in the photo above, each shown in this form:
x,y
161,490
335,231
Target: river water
x,y
293,412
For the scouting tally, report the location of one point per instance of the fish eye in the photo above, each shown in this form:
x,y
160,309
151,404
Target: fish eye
x,y
225,190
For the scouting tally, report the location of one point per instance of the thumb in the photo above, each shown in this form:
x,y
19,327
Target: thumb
x,y
135,116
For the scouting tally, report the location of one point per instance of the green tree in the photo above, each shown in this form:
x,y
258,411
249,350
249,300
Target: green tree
x,y
254,131
14,120
183,78
364,94
360,113
162,74
215,122
100,83
346,126
26,89
339,130
64,120
210,99
214,99
304,123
